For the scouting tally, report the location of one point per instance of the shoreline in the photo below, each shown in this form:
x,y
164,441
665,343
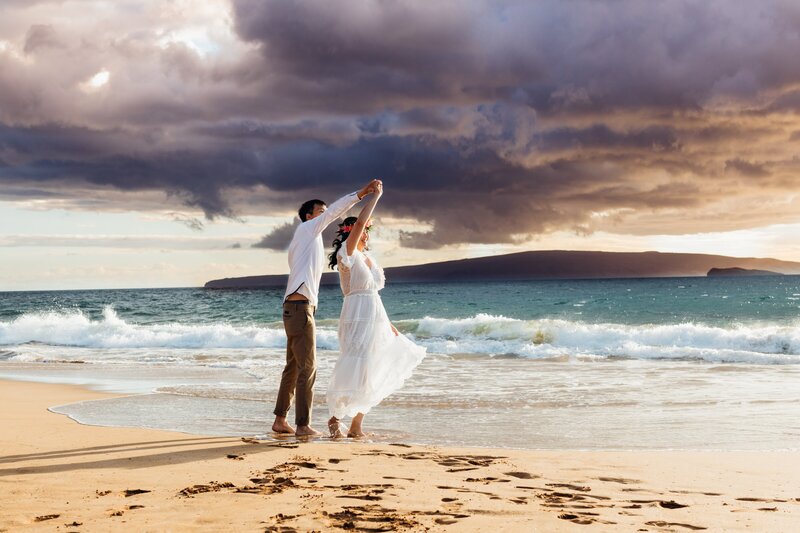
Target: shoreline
x,y
123,408
57,472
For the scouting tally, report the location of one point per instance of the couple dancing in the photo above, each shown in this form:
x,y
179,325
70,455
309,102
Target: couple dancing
x,y
375,359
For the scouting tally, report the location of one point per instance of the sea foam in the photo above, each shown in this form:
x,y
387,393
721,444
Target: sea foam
x,y
482,334
547,338
74,328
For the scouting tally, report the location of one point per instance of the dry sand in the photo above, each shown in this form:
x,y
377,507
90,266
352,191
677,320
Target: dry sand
x,y
57,475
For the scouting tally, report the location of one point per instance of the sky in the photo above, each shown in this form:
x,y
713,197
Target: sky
x,y
168,142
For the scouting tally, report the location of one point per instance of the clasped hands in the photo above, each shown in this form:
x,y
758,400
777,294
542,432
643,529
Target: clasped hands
x,y
373,187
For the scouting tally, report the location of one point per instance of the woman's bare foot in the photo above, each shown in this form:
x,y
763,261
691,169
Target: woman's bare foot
x,y
355,431
333,427
306,431
282,426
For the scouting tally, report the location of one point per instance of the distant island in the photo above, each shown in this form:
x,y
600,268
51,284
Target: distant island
x,y
740,272
551,264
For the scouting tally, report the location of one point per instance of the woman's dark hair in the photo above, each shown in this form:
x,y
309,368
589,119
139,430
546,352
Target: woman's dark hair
x,y
307,208
341,236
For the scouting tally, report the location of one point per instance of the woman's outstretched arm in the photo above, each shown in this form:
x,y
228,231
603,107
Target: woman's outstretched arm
x,y
363,218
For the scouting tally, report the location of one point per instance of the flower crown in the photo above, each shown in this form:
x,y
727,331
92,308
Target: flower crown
x,y
349,227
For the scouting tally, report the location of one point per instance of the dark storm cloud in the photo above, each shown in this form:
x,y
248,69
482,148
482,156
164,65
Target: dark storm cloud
x,y
261,131
469,195
58,140
552,55
657,138
360,55
488,121
197,178
279,238
439,119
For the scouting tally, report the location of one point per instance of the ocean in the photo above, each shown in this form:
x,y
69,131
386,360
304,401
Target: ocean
x,y
629,364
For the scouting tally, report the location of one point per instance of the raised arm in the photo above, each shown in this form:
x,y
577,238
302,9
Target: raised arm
x,y
338,208
363,218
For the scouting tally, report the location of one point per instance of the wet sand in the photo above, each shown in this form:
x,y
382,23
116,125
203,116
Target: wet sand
x,y
57,475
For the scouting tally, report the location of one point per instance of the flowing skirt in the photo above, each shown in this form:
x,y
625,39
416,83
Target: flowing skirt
x,y
374,362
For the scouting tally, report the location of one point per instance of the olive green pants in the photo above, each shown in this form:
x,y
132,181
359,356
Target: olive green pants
x,y
300,371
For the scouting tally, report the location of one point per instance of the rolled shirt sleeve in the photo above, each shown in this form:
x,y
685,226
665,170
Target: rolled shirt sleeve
x,y
333,212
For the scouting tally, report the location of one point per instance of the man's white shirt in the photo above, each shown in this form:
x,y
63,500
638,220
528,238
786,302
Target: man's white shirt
x,y
307,253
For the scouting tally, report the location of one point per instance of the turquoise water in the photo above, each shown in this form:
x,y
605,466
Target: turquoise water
x,y
685,363
711,301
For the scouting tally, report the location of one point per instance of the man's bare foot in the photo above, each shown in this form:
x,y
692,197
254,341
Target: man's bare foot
x,y
282,426
306,431
355,434
333,427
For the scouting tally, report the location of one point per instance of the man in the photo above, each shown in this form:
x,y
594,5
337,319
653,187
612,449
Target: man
x,y
306,262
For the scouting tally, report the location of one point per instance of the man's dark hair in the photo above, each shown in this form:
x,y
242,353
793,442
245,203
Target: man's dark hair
x,y
308,207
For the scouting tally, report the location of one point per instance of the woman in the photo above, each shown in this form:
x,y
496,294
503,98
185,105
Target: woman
x,y
375,359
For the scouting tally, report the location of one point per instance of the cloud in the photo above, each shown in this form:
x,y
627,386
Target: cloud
x,y
279,238
746,168
40,36
490,122
188,221
552,55
143,242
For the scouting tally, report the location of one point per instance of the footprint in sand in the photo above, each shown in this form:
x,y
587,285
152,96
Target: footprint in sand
x,y
403,478
522,475
369,492
364,518
579,488
279,526
133,492
671,505
444,518
764,500
199,489
306,464
575,519
46,517
280,529
661,523
620,480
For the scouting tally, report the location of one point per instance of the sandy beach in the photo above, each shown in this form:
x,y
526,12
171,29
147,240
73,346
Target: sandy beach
x,y
58,475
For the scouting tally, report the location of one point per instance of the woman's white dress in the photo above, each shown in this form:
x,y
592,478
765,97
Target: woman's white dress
x,y
374,362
